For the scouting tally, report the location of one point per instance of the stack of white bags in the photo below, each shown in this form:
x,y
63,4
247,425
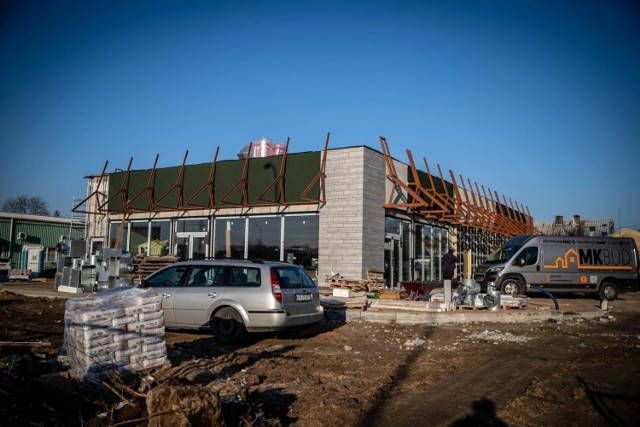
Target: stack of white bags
x,y
114,332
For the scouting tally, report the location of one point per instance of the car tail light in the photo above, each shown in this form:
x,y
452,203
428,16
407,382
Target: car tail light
x,y
275,286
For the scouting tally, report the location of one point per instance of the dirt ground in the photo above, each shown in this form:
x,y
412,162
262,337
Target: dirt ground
x,y
571,372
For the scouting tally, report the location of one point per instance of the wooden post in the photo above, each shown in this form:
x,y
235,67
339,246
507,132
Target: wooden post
x,y
468,271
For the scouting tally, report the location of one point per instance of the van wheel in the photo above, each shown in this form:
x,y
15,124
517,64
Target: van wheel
x,y
512,287
608,291
227,325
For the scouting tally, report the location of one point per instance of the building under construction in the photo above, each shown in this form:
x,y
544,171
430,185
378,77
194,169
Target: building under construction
x,y
336,211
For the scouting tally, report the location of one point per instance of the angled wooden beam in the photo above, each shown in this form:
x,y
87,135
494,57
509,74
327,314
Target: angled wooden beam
x,y
242,183
278,180
453,216
122,192
517,213
477,209
439,199
148,190
513,226
209,186
434,206
177,187
476,214
392,176
465,211
320,177
492,220
116,243
96,193
501,219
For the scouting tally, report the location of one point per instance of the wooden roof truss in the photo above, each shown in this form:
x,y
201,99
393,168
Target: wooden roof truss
x,y
155,204
455,203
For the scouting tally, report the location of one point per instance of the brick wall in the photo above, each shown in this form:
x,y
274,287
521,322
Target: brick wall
x,y
352,225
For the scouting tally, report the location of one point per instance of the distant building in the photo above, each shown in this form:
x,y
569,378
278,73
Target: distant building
x,y
576,227
30,240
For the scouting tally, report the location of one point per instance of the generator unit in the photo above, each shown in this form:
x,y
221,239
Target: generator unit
x,y
78,273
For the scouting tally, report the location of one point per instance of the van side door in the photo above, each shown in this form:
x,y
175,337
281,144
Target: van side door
x,y
527,263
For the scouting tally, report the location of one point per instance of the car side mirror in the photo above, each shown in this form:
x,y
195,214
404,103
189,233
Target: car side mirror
x,y
520,262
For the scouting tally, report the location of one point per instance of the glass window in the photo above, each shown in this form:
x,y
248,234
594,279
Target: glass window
x,y
439,249
229,238
139,237
422,267
114,227
293,277
406,251
391,225
159,235
244,276
170,276
205,275
192,225
301,241
96,247
529,255
264,238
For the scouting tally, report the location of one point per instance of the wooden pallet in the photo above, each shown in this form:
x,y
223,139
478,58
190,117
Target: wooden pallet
x,y
352,284
375,280
395,295
145,265
356,284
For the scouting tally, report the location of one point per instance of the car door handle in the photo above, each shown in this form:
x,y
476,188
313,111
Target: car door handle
x,y
212,294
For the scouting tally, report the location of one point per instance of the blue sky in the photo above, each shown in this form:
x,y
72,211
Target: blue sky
x,y
539,100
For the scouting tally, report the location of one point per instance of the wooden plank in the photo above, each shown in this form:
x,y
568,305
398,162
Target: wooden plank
x,y
25,344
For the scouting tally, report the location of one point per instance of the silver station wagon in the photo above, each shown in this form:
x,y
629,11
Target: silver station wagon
x,y
231,297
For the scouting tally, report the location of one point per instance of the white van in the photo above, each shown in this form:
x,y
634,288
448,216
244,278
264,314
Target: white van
x,y
600,265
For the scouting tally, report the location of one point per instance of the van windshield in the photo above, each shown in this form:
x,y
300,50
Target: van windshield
x,y
503,254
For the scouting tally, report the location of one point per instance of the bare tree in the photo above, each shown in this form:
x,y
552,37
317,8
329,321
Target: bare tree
x,y
27,205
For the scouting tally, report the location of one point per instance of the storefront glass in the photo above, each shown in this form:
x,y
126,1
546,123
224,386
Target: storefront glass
x,y
264,238
114,228
229,240
139,237
159,236
301,241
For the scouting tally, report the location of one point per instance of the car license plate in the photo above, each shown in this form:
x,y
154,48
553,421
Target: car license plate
x,y
303,297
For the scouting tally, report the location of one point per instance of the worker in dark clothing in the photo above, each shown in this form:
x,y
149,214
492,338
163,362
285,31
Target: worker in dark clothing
x,y
449,261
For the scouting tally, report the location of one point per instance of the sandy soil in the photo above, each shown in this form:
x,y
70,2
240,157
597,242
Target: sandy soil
x,y
573,372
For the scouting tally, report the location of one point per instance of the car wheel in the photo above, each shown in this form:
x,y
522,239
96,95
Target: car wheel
x,y
608,291
511,287
227,325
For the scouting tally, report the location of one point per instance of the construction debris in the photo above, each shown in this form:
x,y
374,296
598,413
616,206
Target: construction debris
x,y
374,282
339,303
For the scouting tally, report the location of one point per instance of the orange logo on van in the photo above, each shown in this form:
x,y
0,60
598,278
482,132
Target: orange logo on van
x,y
571,257
583,279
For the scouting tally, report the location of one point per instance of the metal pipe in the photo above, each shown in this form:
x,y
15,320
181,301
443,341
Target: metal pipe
x,y
547,293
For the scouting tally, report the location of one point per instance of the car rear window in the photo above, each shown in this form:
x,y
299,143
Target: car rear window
x,y
293,277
